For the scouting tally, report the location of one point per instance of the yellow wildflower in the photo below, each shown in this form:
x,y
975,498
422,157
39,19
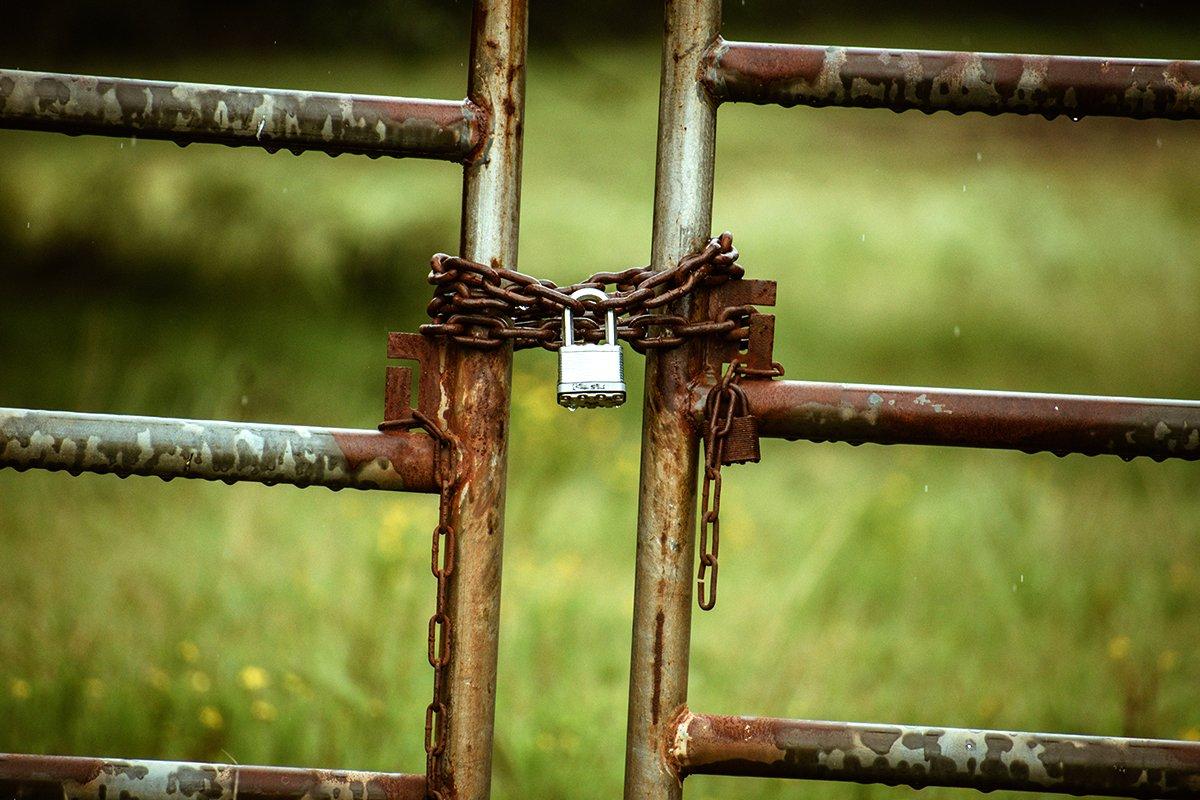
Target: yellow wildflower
x,y
1118,647
211,718
263,711
19,689
254,678
188,651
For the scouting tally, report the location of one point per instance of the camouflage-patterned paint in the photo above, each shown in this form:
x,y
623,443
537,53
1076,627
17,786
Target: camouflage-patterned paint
x,y
25,777
273,119
918,757
994,83
219,451
1055,423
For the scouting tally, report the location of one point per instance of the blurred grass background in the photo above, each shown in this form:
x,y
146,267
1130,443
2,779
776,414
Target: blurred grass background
x,y
275,625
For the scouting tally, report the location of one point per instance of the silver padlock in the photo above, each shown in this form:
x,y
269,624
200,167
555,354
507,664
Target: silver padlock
x,y
590,375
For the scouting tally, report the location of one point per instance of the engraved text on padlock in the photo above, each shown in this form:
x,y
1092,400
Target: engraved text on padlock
x,y
590,375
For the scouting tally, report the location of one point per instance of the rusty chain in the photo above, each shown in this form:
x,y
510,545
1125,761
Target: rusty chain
x,y
719,408
730,437
442,565
482,306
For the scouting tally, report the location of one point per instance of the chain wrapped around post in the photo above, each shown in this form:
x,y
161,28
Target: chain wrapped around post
x,y
481,306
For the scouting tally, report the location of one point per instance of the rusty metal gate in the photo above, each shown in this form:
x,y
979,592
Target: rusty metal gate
x,y
709,376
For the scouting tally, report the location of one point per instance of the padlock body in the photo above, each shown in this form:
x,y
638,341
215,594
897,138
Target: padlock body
x,y
741,442
591,376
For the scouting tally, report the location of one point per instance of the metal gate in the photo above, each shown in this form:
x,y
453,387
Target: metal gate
x,y
454,442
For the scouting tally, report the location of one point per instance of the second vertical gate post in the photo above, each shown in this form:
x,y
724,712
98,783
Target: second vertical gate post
x,y
476,385
664,574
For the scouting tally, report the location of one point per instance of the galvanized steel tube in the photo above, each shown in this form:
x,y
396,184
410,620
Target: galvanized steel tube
x,y
34,777
336,458
662,602
994,83
1056,423
273,119
476,385
913,756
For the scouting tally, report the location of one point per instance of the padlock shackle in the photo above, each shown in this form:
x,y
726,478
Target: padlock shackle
x,y
610,318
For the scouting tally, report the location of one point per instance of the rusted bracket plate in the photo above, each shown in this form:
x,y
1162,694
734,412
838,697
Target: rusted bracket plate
x,y
397,410
761,338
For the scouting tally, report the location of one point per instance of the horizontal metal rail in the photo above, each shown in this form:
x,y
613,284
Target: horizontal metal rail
x,y
920,757
336,458
1055,423
273,119
31,777
927,80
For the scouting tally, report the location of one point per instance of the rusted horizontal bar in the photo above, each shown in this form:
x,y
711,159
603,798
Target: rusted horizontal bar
x,y
220,451
25,777
927,80
1056,423
273,119
918,757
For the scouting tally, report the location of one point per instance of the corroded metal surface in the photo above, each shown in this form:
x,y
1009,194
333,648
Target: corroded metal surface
x,y
219,451
32,777
662,600
994,83
274,119
918,756
1055,423
475,389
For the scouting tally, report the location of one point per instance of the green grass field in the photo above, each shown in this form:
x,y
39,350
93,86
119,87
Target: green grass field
x,y
275,625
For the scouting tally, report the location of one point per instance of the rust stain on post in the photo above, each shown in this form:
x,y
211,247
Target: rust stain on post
x,y
993,83
273,119
1059,424
337,458
663,577
922,756
476,385
33,777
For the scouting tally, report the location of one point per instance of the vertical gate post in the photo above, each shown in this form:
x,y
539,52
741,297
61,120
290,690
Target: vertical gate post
x,y
476,385
667,496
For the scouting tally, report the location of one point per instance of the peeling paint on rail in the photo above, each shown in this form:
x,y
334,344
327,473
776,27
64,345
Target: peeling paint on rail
x,y
928,80
273,119
923,756
1057,423
218,451
33,777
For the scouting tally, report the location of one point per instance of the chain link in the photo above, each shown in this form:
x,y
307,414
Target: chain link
x,y
438,646
718,414
720,406
481,306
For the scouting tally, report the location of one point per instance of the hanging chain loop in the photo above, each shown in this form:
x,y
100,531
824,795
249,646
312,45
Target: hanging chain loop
x,y
483,306
440,631
726,412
